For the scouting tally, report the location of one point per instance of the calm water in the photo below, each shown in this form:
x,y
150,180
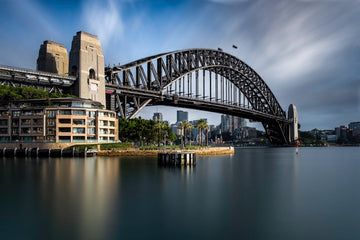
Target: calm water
x,y
268,193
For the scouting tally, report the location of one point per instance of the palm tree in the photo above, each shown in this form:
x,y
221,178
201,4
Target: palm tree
x,y
207,128
182,126
188,126
159,125
201,125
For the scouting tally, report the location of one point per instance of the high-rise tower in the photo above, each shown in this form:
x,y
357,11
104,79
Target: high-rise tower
x,y
87,64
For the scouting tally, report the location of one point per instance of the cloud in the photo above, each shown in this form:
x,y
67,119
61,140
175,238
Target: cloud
x,y
103,20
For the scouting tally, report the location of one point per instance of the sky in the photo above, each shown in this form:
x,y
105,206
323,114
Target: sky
x,y
307,51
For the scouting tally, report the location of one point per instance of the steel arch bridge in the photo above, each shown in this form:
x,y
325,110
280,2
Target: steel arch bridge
x,y
202,79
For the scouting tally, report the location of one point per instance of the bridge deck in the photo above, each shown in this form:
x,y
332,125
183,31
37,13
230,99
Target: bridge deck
x,y
19,76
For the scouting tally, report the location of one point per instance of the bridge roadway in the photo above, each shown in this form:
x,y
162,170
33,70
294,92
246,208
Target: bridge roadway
x,y
19,77
161,98
25,77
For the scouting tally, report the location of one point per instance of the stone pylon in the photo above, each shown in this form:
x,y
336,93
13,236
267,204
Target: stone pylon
x,y
53,57
293,127
87,64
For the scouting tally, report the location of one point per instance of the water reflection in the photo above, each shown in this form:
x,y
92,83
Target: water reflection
x,y
269,193
74,194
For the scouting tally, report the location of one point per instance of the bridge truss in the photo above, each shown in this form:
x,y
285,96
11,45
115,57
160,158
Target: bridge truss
x,y
201,79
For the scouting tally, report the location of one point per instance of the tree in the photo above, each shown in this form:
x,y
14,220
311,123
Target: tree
x,y
159,125
185,125
18,93
188,126
207,128
201,125
182,126
136,129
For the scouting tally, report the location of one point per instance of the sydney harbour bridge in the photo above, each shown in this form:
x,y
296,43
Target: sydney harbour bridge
x,y
202,79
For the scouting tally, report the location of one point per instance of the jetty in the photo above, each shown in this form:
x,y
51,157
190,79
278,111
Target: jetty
x,y
178,158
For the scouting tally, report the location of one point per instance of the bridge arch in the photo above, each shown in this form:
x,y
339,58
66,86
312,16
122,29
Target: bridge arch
x,y
153,80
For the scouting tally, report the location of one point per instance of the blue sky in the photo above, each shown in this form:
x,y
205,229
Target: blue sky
x,y
307,51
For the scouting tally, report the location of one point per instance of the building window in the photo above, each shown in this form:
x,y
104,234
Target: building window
x,y
79,112
27,139
50,138
92,73
38,112
91,130
51,113
103,123
15,123
15,131
79,121
51,131
64,139
38,130
26,113
3,131
65,120
91,122
4,139
64,129
39,138
103,139
103,131
91,114
111,123
91,139
78,130
25,122
103,114
25,130
3,122
65,112
50,122
37,121
16,113
78,139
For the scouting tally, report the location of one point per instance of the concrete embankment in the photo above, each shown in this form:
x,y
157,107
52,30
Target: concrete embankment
x,y
138,152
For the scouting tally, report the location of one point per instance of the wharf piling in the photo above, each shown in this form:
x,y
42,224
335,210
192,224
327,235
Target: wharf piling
x,y
177,158
36,152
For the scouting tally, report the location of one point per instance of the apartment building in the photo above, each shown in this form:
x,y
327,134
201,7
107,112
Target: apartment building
x,y
61,120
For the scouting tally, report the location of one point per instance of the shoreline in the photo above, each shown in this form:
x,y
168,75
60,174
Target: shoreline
x,y
137,152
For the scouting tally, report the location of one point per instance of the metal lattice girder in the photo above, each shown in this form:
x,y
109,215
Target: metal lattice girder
x,y
161,70
149,77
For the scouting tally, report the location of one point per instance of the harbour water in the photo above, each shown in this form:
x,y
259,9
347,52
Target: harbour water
x,y
257,193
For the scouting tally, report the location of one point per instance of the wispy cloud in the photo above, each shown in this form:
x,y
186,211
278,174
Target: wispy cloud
x,y
103,19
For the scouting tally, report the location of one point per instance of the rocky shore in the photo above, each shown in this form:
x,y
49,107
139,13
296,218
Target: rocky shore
x,y
138,152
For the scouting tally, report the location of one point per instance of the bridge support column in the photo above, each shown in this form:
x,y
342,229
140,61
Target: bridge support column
x,y
87,64
293,126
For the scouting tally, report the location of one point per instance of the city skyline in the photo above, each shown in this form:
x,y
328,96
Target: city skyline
x,y
306,51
